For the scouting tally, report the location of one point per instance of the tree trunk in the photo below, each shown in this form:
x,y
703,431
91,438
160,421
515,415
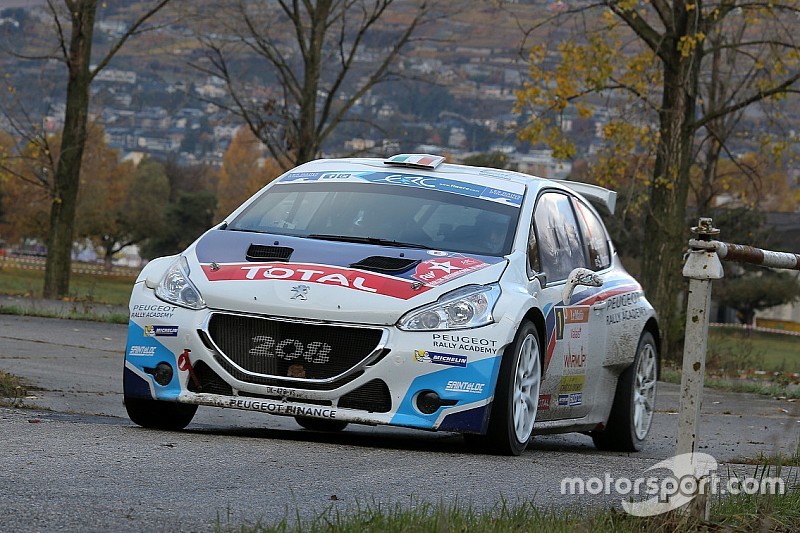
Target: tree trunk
x,y
665,232
67,177
108,256
307,136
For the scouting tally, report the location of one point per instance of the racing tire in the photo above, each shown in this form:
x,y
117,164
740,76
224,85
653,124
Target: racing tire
x,y
154,414
516,398
319,424
634,402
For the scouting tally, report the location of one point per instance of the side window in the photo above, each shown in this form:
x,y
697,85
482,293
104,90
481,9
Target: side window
x,y
558,236
594,237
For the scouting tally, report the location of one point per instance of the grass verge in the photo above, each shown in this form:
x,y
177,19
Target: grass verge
x,y
779,512
778,459
776,390
729,348
85,289
12,391
112,318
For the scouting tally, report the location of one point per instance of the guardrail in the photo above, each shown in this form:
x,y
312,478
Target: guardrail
x,y
755,328
95,269
702,266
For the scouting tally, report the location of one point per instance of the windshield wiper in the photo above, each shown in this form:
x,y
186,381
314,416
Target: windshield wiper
x,y
366,240
244,230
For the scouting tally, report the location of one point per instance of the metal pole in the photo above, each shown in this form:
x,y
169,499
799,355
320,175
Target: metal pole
x,y
749,254
701,267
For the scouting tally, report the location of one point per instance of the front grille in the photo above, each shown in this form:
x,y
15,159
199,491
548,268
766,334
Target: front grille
x,y
208,381
373,396
275,349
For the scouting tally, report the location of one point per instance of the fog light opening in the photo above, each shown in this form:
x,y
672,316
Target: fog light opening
x,y
162,373
428,402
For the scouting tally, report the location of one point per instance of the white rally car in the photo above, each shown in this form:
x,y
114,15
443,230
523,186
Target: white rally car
x,y
406,292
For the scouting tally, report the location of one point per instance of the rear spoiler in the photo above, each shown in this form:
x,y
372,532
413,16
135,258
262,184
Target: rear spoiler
x,y
595,194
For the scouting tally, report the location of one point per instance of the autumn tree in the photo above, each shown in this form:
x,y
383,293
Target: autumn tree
x,y
25,172
104,184
242,173
314,51
752,180
120,205
185,178
652,56
185,220
73,32
182,200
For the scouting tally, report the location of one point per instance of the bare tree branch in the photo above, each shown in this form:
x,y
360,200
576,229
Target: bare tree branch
x,y
654,40
62,41
132,30
784,87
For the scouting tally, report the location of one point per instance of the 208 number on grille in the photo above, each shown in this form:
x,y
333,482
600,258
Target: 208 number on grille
x,y
290,349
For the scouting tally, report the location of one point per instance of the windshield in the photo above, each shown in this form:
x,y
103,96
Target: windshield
x,y
383,214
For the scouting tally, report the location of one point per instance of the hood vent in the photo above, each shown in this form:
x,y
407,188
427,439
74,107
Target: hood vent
x,y
259,252
379,263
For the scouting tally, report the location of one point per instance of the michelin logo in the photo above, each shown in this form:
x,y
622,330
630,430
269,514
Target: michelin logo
x,y
161,331
424,356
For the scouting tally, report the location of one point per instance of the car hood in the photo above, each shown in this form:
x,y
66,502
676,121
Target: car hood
x,y
327,280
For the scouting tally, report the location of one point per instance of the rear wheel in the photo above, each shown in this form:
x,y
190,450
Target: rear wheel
x,y
516,397
319,424
154,414
634,402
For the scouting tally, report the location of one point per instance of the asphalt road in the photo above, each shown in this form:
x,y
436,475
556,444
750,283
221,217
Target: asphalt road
x,y
82,465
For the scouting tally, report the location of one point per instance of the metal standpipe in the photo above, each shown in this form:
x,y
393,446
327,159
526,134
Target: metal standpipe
x,y
702,266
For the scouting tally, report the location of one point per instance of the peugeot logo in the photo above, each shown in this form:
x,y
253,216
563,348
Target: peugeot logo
x,y
299,292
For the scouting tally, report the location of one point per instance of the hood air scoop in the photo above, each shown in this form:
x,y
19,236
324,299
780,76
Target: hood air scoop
x,y
259,252
379,263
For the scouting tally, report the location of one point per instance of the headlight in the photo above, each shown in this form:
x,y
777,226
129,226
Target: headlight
x,y
467,307
176,288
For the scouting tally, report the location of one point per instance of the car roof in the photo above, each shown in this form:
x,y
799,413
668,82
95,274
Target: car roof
x,y
484,176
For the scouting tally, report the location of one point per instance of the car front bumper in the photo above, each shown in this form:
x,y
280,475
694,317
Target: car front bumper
x,y
385,384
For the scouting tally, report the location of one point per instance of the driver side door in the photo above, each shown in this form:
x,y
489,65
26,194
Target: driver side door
x,y
575,332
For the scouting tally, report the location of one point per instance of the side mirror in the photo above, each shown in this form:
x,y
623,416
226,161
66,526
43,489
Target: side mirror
x,y
579,276
540,276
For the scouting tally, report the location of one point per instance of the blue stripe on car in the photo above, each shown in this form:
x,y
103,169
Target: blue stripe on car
x,y
136,337
483,371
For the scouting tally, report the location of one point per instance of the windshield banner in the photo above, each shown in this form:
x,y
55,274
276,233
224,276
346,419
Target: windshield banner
x,y
510,194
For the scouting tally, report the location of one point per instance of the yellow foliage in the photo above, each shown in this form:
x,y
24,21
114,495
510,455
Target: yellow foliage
x,y
241,176
627,5
559,79
689,43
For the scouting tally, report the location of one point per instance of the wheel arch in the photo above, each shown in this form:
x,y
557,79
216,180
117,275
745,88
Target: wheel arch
x,y
651,326
534,315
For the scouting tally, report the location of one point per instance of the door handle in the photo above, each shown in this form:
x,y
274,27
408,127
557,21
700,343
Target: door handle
x,y
600,305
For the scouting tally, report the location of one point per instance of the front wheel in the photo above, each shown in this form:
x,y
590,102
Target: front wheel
x,y
516,398
634,402
154,414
